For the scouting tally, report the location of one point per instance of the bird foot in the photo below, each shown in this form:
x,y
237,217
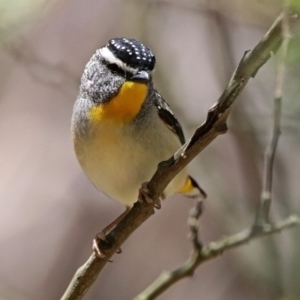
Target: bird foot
x,y
101,238
96,245
145,197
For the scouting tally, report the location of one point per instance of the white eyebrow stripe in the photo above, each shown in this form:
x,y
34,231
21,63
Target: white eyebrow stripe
x,y
111,58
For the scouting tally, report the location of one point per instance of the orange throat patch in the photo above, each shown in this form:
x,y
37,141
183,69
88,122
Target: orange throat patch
x,y
124,106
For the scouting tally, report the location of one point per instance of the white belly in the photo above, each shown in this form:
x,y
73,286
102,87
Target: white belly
x,y
118,165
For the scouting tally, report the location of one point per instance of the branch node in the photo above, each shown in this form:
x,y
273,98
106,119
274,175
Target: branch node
x,y
222,128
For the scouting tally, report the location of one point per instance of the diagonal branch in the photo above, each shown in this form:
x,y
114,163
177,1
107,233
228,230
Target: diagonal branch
x,y
261,226
214,125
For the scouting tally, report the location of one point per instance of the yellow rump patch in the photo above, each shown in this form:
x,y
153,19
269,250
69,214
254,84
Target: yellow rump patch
x,y
124,106
188,187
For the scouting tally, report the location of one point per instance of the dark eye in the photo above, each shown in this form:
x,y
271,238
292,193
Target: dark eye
x,y
115,69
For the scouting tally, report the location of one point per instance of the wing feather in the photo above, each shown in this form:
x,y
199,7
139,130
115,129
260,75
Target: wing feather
x,y
167,116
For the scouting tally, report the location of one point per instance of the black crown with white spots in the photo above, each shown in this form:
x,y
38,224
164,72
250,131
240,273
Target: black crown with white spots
x,y
132,53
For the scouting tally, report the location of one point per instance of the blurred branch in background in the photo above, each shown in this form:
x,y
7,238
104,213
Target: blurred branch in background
x,y
263,211
56,76
17,16
214,125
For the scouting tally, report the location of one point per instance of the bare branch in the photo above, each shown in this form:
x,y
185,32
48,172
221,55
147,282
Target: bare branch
x,y
193,221
263,210
214,125
209,252
260,228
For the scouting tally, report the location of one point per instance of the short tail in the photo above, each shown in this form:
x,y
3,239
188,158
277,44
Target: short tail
x,y
192,189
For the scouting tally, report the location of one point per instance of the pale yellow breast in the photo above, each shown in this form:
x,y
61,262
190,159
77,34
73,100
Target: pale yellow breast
x,y
117,161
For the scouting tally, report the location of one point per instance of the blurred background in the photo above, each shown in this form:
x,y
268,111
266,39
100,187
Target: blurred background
x,y
50,212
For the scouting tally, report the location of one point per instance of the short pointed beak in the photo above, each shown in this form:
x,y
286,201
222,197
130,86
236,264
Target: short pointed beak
x,y
141,76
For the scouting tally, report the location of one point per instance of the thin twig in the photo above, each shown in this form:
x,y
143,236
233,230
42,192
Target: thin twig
x,y
214,125
263,210
212,250
193,222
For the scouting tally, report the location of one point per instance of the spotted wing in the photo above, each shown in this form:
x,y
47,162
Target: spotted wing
x,y
166,114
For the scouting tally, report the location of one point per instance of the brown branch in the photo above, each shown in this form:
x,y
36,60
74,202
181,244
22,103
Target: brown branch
x,y
212,250
260,227
214,125
263,210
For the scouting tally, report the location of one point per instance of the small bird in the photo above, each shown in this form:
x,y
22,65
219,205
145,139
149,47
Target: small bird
x,y
122,127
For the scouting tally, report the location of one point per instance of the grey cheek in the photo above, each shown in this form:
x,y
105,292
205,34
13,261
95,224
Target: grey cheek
x,y
89,84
